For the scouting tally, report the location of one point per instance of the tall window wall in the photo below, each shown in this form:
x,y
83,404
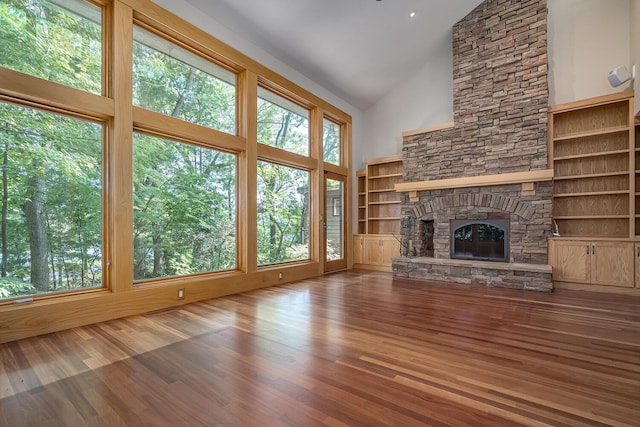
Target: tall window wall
x,y
136,150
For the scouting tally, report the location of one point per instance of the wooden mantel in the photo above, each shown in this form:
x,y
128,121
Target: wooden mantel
x,y
527,179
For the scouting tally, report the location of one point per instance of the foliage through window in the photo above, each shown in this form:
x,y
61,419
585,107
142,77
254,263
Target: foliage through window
x,y
51,204
331,142
48,40
282,123
184,209
170,80
283,214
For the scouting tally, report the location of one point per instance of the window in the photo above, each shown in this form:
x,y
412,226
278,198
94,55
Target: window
x,y
47,40
331,142
283,213
170,80
184,209
282,123
51,202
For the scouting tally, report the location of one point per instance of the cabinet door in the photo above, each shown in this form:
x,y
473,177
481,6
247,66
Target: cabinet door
x,y
358,249
372,253
390,249
612,263
571,261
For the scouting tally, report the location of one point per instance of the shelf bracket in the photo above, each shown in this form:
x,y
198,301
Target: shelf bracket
x,y
414,196
528,189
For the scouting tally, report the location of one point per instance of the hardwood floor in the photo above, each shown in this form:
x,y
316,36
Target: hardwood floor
x,y
352,348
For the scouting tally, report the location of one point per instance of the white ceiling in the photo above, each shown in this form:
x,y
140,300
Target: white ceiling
x,y
357,49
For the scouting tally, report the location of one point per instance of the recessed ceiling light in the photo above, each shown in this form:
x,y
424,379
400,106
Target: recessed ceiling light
x,y
412,14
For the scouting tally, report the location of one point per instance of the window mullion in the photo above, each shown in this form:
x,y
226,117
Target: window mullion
x,y
119,204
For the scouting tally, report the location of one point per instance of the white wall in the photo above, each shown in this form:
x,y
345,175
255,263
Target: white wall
x,y
424,99
587,39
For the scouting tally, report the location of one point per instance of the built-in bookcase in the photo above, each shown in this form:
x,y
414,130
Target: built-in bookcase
x,y
594,160
361,177
378,238
637,180
383,203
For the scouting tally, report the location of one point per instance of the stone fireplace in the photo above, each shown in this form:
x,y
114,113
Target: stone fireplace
x,y
490,165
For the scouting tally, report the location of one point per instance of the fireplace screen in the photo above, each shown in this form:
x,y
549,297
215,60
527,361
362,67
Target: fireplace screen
x,y
486,240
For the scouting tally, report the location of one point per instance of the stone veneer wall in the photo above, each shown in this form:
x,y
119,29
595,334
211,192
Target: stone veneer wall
x,y
500,97
500,115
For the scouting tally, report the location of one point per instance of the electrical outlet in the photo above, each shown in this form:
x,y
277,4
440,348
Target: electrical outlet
x,y
181,293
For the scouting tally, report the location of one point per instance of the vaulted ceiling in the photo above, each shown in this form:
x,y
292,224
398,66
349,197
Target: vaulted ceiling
x,y
357,49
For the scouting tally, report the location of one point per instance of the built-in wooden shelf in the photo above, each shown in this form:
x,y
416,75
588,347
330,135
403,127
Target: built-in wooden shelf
x,y
594,156
390,202
591,217
587,155
391,175
591,175
592,193
598,132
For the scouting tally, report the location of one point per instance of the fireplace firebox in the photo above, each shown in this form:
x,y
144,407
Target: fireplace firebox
x,y
485,240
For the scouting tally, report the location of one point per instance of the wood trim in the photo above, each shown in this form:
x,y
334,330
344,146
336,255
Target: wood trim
x,y
477,181
385,159
283,157
316,187
428,129
45,94
590,102
50,315
166,126
120,183
373,267
247,251
340,170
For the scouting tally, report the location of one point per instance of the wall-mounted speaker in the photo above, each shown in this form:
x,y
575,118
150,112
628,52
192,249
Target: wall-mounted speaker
x,y
619,75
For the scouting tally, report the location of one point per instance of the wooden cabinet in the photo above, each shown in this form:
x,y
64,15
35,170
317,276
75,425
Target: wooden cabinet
x,y
609,263
570,260
593,152
375,251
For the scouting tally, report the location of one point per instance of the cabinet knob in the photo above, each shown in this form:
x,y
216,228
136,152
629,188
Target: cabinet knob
x,y
587,249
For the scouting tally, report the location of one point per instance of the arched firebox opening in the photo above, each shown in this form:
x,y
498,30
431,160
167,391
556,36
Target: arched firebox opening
x,y
485,240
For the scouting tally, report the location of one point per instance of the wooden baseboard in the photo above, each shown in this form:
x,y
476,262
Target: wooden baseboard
x,y
596,288
372,267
